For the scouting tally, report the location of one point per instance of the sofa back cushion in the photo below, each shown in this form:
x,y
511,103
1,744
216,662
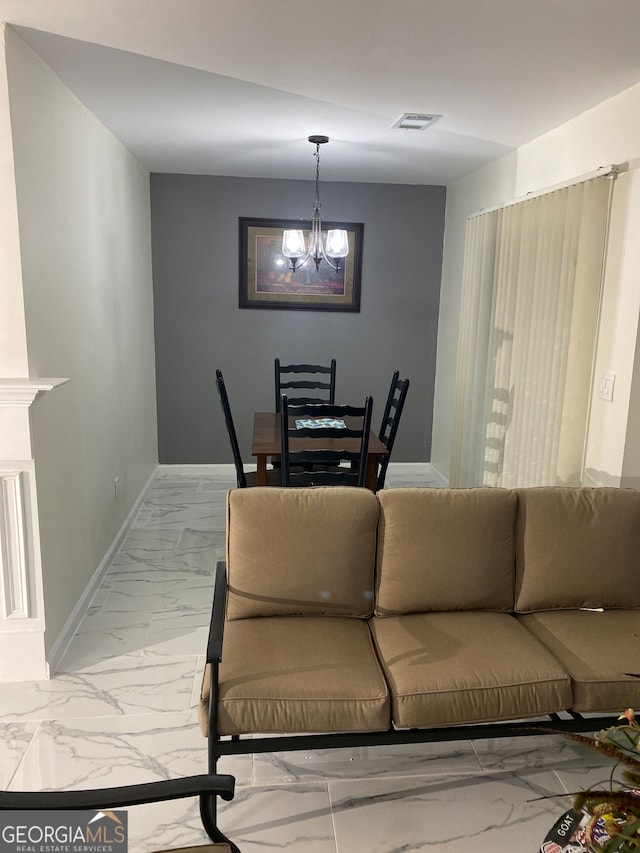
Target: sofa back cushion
x,y
577,547
300,551
445,549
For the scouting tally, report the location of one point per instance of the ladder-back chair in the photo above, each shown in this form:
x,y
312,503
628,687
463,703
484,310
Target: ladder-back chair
x,y
298,381
390,421
324,435
243,478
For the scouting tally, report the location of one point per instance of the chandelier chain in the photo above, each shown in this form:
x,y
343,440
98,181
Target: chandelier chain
x,y
317,250
317,156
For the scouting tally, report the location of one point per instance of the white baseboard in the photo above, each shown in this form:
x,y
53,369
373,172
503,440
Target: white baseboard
x,y
200,470
61,643
415,473
424,470
439,477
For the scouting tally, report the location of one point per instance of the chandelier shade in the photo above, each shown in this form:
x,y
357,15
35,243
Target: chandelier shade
x,y
293,243
335,246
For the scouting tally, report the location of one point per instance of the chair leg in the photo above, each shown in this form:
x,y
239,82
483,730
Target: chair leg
x,y
209,817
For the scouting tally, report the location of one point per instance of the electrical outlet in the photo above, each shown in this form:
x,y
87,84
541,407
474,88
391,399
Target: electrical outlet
x,y
605,385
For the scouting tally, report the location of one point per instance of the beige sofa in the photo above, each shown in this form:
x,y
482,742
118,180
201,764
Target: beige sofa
x,y
421,614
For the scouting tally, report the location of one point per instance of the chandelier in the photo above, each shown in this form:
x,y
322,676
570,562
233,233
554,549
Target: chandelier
x,y
337,242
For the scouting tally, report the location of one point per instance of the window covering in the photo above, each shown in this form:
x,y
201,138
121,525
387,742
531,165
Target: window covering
x,y
532,281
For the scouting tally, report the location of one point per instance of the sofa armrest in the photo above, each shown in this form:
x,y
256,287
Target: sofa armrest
x,y
206,787
216,628
208,710
126,795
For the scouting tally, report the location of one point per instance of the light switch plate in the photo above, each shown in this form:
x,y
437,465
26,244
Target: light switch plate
x,y
606,382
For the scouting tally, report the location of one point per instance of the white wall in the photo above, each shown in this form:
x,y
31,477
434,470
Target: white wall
x,y
84,227
610,446
631,463
609,133
13,341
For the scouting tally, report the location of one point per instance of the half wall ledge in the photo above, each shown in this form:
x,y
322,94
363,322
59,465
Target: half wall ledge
x,y
22,649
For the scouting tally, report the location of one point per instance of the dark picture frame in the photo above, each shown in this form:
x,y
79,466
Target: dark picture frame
x,y
267,282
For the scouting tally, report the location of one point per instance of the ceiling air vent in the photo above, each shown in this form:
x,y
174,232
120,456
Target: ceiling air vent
x,y
415,121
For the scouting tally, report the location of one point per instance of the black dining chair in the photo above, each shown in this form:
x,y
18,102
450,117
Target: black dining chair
x,y
302,379
248,478
317,462
390,422
206,787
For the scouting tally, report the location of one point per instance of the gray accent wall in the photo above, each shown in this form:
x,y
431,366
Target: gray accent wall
x,y
199,326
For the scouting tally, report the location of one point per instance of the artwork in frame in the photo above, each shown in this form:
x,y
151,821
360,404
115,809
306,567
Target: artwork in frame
x,y
267,282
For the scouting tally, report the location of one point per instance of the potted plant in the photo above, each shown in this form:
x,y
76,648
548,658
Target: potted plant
x,y
605,820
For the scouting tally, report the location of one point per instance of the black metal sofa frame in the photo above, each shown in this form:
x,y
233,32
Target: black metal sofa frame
x,y
238,745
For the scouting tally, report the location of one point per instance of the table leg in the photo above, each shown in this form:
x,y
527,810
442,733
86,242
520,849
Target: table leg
x,y
261,473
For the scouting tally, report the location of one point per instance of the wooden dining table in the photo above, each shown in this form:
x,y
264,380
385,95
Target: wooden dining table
x,y
266,442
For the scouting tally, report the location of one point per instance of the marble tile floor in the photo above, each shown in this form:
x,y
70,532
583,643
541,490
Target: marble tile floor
x,y
121,709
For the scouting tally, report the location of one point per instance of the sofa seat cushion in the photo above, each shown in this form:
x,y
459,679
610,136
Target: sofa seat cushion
x,y
466,667
577,547
596,649
301,551
288,674
445,549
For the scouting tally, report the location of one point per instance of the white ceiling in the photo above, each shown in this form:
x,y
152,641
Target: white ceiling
x,y
235,87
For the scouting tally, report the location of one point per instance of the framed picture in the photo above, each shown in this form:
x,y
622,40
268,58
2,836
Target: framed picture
x,y
266,280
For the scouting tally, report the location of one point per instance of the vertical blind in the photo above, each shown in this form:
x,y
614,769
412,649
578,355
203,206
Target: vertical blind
x,y
531,289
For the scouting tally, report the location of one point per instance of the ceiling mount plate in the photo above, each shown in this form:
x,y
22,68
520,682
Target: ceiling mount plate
x,y
318,140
